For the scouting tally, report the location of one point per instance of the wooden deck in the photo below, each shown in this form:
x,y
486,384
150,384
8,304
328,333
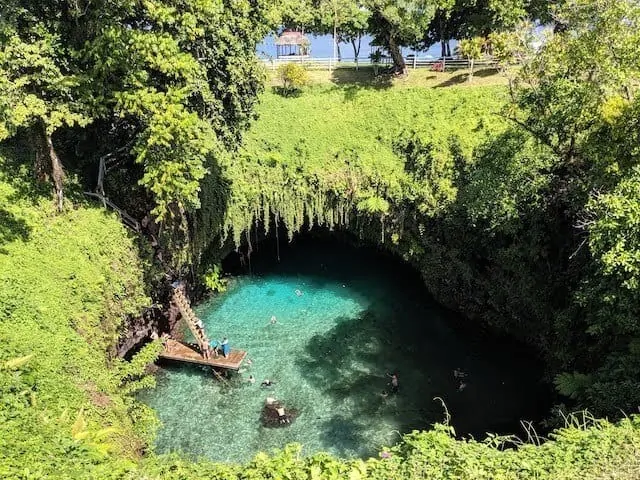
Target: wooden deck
x,y
184,352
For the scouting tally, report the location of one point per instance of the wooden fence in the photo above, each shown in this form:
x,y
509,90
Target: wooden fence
x,y
329,63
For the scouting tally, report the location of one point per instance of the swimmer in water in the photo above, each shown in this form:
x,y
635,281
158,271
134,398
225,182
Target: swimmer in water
x,y
282,415
273,320
299,293
267,383
395,386
462,386
251,379
459,373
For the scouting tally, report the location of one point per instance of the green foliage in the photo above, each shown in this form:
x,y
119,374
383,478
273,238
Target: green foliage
x,y
530,227
471,49
293,77
213,280
512,47
316,157
572,385
160,90
349,19
401,23
586,449
34,83
487,213
67,284
578,96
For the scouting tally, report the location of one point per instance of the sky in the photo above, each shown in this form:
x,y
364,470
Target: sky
x,y
322,47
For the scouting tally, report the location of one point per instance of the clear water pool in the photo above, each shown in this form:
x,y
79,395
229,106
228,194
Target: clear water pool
x,y
360,316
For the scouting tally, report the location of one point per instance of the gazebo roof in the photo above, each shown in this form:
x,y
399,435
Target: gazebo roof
x,y
290,37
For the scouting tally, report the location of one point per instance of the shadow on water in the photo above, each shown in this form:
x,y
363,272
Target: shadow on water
x,y
404,332
359,316
348,430
350,364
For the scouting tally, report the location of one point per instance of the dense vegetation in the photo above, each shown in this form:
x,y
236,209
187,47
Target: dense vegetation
x,y
333,151
522,216
519,206
67,284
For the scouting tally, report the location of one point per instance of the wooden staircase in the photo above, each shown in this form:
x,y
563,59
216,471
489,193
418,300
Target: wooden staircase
x,y
186,352
190,318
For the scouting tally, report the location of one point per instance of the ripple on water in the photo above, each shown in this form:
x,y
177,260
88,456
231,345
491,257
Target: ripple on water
x,y
358,317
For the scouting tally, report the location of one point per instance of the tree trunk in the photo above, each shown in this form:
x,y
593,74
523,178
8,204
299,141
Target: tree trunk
x,y
48,165
470,69
399,65
443,48
356,48
101,171
448,48
338,50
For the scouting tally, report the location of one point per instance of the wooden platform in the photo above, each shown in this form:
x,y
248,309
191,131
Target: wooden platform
x,y
183,352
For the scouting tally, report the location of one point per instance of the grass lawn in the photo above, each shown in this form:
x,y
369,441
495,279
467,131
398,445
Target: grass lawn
x,y
420,77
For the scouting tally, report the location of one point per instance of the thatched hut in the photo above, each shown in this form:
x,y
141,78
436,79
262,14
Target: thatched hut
x,y
290,43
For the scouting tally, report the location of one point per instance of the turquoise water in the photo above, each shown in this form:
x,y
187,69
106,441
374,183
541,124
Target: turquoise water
x,y
360,316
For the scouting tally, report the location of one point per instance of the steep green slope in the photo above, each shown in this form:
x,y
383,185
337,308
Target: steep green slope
x,y
494,218
334,151
67,282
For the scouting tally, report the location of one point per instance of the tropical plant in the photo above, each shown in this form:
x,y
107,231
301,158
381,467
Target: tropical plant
x,y
213,279
471,49
293,76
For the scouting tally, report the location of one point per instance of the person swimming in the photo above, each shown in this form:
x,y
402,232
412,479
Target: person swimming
x,y
267,383
251,379
459,373
299,293
394,382
273,320
282,415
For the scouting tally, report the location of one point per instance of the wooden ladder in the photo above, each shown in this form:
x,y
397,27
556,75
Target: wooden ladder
x,y
190,318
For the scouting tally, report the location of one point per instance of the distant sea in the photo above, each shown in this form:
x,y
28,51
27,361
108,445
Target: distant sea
x,y
322,46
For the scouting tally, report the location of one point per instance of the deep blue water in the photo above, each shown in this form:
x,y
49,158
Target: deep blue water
x,y
357,316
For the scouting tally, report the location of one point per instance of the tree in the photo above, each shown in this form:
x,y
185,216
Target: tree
x,y
512,47
38,92
142,84
471,18
471,49
345,19
400,23
579,97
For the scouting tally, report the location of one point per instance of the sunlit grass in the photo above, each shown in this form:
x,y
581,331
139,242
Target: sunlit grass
x,y
420,77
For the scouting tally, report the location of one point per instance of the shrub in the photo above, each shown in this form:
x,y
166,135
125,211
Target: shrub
x,y
293,76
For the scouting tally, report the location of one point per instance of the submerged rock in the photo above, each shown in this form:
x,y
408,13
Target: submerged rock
x,y
275,415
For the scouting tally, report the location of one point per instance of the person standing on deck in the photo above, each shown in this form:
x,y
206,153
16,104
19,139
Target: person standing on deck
x,y
226,349
213,347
